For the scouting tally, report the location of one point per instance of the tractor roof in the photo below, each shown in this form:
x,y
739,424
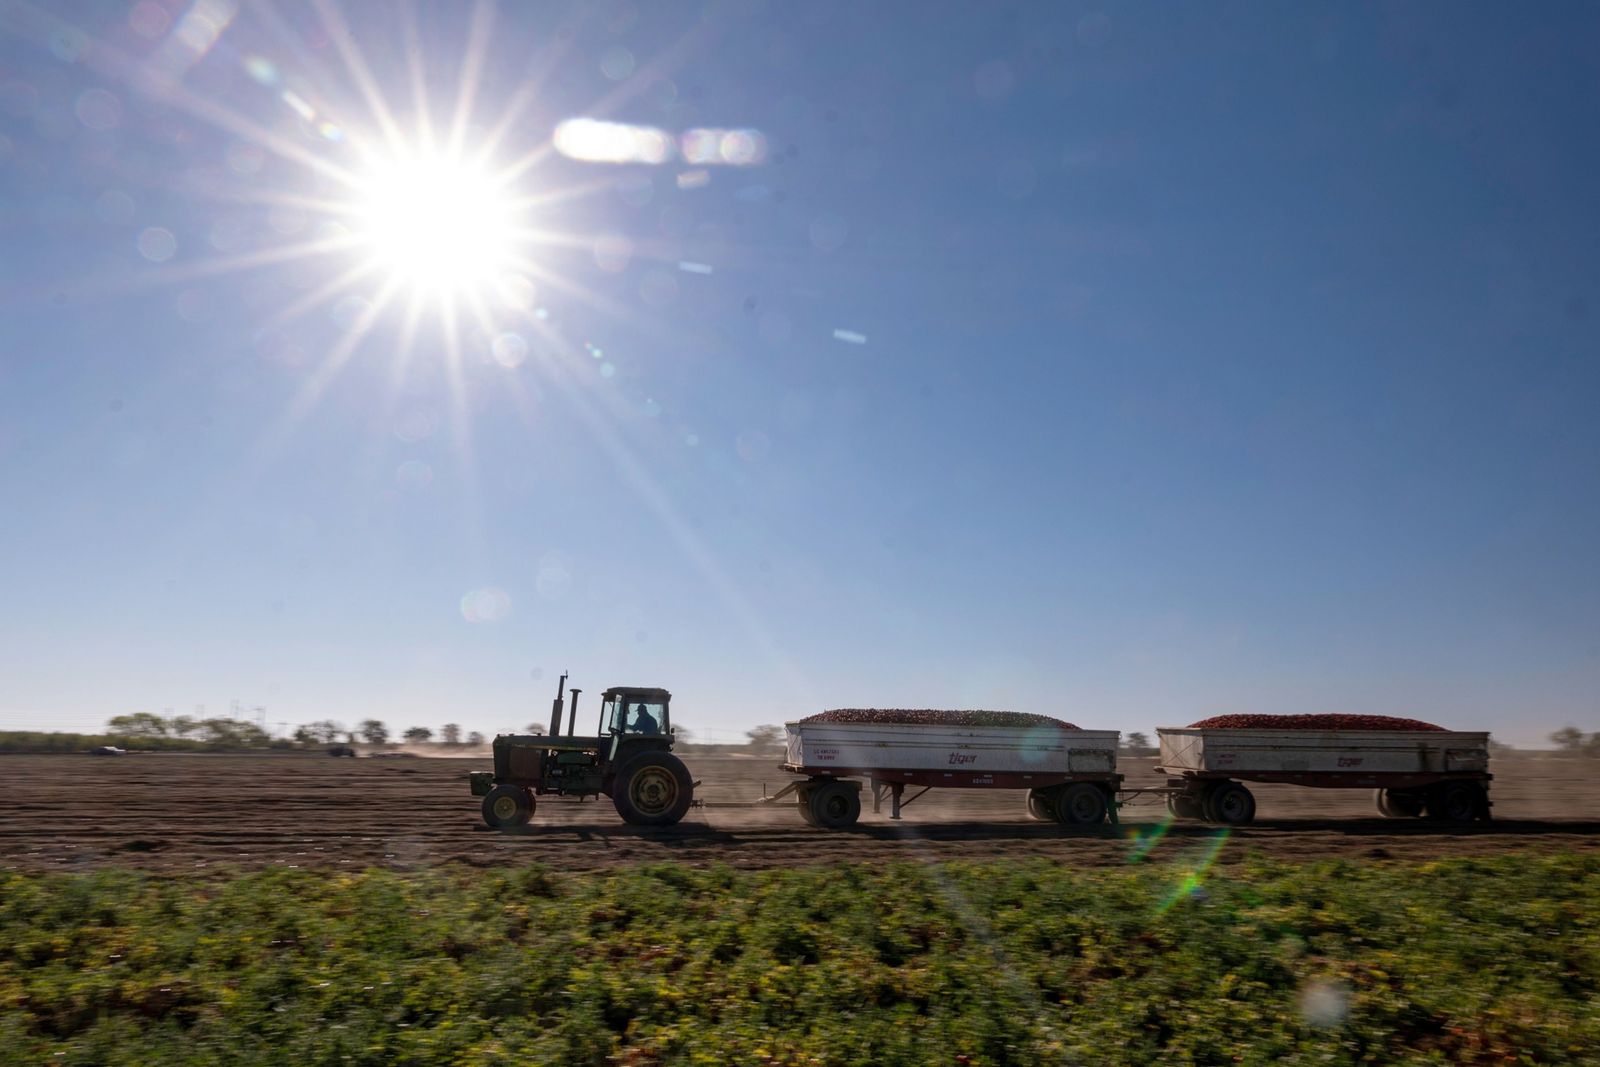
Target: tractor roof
x,y
637,691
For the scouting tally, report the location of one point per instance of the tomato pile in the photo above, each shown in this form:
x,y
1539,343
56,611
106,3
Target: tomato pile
x,y
930,717
1311,722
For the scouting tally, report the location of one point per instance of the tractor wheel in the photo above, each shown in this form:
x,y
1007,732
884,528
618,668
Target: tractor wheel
x,y
653,789
1455,801
1040,807
1081,804
507,807
1230,804
1185,806
1394,804
835,805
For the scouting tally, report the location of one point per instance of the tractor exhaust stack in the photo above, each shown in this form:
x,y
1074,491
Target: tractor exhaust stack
x,y
555,709
572,713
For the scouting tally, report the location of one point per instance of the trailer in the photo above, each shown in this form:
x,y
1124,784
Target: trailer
x,y
1070,775
1442,774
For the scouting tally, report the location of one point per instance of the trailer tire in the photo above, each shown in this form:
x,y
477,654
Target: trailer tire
x,y
1455,801
803,804
1397,804
507,807
653,789
1039,806
1081,804
1231,804
835,805
1185,806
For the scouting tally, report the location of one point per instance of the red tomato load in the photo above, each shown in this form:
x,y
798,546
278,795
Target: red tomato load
x,y
1311,722
931,717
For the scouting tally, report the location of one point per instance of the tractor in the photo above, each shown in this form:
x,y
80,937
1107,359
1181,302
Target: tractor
x,y
629,759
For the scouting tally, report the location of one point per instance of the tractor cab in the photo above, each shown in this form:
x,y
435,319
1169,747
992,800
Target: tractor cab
x,y
634,712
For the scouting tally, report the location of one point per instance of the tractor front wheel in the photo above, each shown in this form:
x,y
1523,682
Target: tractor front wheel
x,y
653,789
507,807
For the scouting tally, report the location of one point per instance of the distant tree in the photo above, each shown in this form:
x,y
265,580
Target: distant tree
x,y
419,735
682,734
475,739
536,728
140,724
765,737
373,732
326,730
182,725
304,735
1568,739
232,733
451,733
1137,741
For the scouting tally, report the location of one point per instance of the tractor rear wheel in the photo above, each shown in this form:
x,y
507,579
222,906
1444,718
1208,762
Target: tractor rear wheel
x,y
1040,807
507,806
653,789
835,805
1081,804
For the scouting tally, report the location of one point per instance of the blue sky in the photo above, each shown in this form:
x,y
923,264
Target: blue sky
x,y
1130,364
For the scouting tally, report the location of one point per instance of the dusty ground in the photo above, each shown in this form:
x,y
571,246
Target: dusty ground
x,y
182,812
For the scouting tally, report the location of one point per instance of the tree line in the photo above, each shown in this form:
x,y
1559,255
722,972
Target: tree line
x,y
146,727
184,733
1574,742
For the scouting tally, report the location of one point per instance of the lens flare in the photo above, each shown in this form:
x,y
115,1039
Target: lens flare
x,y
1190,882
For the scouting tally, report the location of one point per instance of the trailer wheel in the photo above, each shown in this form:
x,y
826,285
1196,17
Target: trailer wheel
x,y
835,805
1039,806
803,804
1081,804
1231,804
1185,806
1395,804
653,789
1455,801
507,807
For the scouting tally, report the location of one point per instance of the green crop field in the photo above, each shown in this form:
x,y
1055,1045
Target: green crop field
x,y
1494,960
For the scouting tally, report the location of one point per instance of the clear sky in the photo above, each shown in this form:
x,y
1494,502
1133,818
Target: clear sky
x,y
1130,364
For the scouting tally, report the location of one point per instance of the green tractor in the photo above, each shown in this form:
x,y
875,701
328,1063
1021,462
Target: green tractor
x,y
629,759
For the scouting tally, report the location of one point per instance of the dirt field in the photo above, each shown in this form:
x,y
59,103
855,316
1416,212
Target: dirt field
x,y
181,812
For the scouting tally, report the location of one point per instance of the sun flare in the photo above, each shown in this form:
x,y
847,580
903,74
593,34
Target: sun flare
x,y
437,224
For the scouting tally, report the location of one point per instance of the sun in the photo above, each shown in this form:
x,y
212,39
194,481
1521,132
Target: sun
x,y
438,224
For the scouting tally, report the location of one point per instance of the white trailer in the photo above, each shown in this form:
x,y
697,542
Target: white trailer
x,y
1070,775
1441,773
